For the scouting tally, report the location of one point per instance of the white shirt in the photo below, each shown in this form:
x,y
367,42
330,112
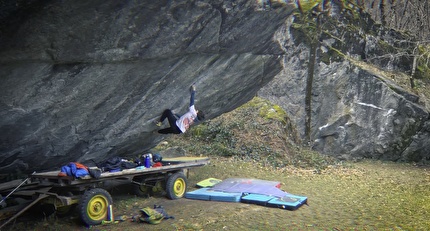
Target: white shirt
x,y
187,119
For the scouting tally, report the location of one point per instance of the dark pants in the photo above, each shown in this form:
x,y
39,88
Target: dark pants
x,y
172,121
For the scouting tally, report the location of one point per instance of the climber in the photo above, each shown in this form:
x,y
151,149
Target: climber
x,y
181,124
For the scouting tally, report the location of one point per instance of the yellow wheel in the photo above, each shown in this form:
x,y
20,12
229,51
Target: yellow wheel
x,y
94,206
176,186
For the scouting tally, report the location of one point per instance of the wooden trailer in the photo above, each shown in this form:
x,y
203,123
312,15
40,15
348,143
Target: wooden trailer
x,y
89,194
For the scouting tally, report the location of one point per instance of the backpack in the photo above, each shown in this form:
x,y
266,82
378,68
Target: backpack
x,y
153,215
112,164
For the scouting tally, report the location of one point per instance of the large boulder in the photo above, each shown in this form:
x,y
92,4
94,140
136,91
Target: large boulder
x,y
85,80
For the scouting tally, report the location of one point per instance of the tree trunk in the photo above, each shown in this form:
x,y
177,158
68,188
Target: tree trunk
x,y
382,11
414,67
310,79
308,98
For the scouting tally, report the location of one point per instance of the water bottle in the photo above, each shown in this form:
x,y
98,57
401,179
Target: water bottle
x,y
147,161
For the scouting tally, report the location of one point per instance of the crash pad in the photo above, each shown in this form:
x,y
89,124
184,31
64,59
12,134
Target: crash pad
x,y
251,191
210,182
258,199
183,159
288,202
209,194
245,185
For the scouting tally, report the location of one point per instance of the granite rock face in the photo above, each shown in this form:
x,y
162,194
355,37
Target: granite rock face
x,y
85,80
357,110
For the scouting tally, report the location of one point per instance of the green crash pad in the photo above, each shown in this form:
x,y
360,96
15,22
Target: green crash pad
x,y
210,182
183,159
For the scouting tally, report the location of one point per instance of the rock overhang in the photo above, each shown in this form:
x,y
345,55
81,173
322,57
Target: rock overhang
x,y
84,81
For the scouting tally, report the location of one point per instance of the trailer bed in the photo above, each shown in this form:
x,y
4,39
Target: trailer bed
x,y
169,164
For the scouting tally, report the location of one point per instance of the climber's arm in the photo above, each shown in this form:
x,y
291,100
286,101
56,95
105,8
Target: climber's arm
x,y
193,93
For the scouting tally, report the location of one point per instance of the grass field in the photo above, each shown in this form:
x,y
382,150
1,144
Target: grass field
x,y
368,195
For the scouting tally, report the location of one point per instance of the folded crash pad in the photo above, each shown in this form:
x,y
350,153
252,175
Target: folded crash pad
x,y
209,194
258,199
289,201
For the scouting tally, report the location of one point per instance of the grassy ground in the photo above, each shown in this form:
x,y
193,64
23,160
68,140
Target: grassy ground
x,y
368,195
257,141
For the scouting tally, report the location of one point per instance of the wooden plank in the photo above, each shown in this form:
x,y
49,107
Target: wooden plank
x,y
51,174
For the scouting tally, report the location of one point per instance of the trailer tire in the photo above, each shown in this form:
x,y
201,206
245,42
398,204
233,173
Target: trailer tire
x,y
94,206
176,186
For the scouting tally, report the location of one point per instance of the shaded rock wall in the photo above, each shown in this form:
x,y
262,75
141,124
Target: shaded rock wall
x,y
85,80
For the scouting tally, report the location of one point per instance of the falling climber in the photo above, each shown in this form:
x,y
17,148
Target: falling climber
x,y
183,123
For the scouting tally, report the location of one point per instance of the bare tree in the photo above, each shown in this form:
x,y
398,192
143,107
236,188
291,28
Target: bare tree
x,y
412,16
406,15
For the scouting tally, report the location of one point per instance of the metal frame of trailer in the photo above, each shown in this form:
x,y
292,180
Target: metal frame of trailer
x,y
88,194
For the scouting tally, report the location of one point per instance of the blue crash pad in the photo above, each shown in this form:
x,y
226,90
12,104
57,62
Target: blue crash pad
x,y
209,194
251,191
258,199
289,201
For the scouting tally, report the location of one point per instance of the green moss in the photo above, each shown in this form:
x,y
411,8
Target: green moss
x,y
274,112
255,103
308,5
